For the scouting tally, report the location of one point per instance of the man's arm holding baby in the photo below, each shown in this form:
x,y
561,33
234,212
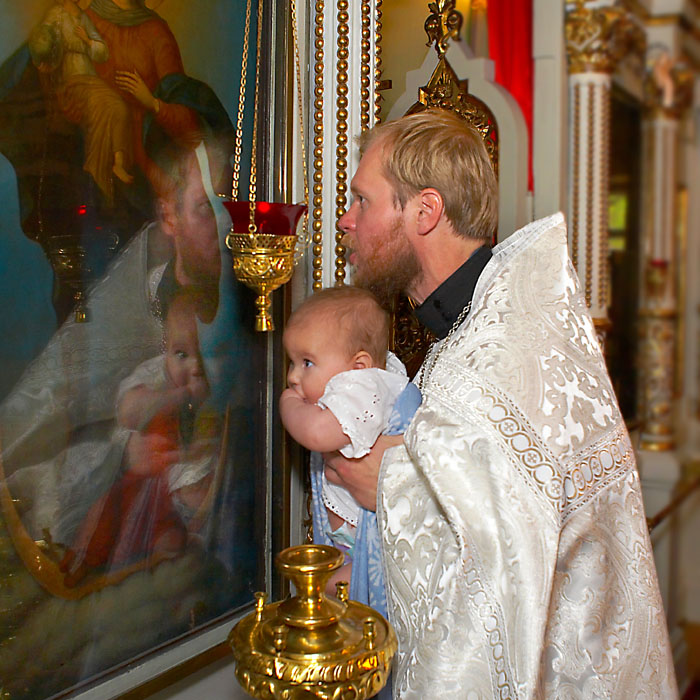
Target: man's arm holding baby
x,y
314,427
360,476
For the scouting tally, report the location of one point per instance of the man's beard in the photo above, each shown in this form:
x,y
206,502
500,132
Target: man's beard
x,y
391,269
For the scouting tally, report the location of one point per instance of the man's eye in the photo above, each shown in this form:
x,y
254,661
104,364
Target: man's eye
x,y
181,354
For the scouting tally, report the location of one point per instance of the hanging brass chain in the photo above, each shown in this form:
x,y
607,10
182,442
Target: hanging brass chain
x,y
252,189
241,107
300,106
252,228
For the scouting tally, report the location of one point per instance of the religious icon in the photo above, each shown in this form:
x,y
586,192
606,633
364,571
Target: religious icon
x,y
131,439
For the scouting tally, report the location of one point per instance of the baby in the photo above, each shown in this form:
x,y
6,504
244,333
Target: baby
x,y
167,466
345,389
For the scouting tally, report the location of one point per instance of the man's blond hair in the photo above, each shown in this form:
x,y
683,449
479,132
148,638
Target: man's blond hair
x,y
439,149
353,312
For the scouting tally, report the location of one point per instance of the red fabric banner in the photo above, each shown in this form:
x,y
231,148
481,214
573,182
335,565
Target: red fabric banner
x,y
510,47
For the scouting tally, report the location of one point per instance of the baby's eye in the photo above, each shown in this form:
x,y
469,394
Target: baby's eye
x,y
307,363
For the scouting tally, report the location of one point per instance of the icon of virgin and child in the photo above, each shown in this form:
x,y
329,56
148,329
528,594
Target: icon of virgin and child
x,y
128,444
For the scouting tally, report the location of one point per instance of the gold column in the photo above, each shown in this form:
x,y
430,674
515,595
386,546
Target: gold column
x,y
667,93
596,40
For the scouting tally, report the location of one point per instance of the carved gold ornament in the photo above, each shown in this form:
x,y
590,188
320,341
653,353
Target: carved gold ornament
x,y
598,38
311,645
317,187
444,23
341,137
445,91
657,340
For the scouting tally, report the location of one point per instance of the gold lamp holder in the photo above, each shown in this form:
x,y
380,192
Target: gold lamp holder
x,y
310,645
263,264
264,256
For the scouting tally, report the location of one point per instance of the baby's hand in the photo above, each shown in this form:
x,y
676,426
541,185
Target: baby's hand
x,y
289,395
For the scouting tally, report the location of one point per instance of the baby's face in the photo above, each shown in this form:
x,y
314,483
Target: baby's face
x,y
317,351
183,361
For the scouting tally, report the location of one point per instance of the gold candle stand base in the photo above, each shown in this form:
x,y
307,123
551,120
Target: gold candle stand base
x,y
311,645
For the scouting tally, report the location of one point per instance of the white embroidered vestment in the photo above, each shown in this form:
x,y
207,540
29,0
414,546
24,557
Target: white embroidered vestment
x,y
517,558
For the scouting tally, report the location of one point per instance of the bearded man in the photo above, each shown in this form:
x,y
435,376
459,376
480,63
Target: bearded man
x,y
514,542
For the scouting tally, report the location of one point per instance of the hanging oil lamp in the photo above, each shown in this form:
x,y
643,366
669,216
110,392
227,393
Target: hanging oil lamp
x,y
311,645
263,241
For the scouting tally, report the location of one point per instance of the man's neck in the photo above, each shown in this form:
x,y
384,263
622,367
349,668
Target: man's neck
x,y
443,308
440,259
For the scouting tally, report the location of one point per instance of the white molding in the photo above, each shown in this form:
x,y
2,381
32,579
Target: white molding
x,y
550,109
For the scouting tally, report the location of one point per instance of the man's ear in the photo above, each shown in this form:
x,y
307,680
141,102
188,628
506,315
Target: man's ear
x,y
362,360
430,209
167,215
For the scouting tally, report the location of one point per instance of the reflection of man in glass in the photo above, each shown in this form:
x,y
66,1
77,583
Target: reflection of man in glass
x,y
60,449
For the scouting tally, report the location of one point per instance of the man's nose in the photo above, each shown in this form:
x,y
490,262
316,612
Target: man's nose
x,y
346,223
197,367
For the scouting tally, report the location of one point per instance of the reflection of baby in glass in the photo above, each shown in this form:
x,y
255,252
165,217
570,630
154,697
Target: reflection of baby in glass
x,y
345,390
65,44
168,463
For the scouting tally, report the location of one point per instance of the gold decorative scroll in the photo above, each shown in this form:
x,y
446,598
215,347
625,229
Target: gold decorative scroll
x,y
575,184
681,285
409,339
444,23
598,38
657,339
